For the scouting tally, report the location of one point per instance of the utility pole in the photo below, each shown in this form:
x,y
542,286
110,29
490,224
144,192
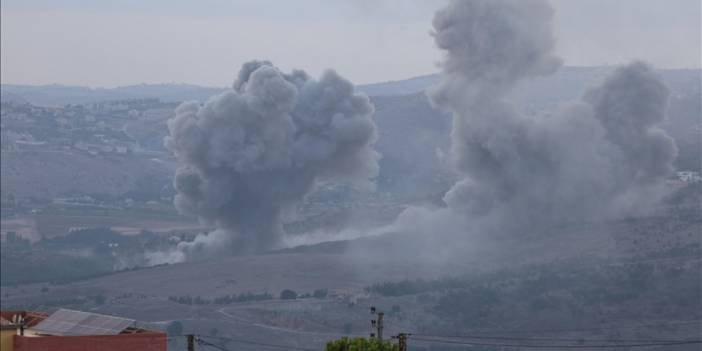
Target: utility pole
x,y
373,325
377,325
402,341
191,342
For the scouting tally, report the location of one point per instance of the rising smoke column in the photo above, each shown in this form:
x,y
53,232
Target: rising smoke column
x,y
584,160
254,151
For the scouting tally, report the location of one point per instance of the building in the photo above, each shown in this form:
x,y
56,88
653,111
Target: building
x,y
8,329
689,176
75,330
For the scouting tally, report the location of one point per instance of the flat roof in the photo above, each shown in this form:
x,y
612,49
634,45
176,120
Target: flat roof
x,y
65,322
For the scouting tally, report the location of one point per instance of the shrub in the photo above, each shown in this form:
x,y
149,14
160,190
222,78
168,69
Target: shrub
x,y
320,293
360,344
99,299
470,305
288,294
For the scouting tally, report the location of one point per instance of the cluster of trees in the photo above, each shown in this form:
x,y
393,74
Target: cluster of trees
x,y
471,305
360,344
52,259
567,290
243,297
222,300
418,286
288,294
16,241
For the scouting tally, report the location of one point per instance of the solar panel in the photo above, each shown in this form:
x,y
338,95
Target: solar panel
x,y
66,322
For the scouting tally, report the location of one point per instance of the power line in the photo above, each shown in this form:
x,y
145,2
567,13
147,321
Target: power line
x,y
597,346
206,343
578,340
250,342
566,330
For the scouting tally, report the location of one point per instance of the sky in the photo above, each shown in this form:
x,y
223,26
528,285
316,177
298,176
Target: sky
x,y
115,43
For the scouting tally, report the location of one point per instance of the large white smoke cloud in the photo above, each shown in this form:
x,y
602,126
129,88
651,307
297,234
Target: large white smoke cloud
x,y
598,157
254,151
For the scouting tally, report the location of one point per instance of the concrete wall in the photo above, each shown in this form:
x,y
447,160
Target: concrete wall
x,y
152,341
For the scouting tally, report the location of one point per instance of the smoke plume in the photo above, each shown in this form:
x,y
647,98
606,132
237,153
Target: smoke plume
x,y
254,151
587,159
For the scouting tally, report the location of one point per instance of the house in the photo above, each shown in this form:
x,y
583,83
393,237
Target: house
x,y
689,176
76,330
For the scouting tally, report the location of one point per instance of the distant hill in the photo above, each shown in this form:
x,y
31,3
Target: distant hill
x,y
400,87
565,84
414,167
8,97
59,95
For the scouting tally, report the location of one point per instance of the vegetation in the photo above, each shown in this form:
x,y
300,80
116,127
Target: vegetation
x,y
412,287
470,305
80,254
564,291
360,344
18,267
243,297
320,293
222,300
288,294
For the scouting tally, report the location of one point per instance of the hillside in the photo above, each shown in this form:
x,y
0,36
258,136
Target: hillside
x,y
418,162
621,277
69,174
59,95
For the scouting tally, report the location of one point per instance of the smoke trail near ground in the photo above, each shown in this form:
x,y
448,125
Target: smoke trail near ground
x,y
254,151
597,157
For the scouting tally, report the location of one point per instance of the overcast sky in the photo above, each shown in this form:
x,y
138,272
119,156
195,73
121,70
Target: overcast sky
x,y
113,43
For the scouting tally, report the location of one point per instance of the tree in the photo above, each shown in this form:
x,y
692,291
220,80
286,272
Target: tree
x,y
288,294
99,299
360,344
320,293
470,305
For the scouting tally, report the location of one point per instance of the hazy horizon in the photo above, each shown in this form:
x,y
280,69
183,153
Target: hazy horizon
x,y
228,86
366,41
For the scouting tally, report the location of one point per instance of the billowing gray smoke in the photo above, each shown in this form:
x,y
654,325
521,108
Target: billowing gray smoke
x,y
252,152
590,158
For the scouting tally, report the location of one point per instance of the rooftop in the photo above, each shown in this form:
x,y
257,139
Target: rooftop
x,y
66,322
